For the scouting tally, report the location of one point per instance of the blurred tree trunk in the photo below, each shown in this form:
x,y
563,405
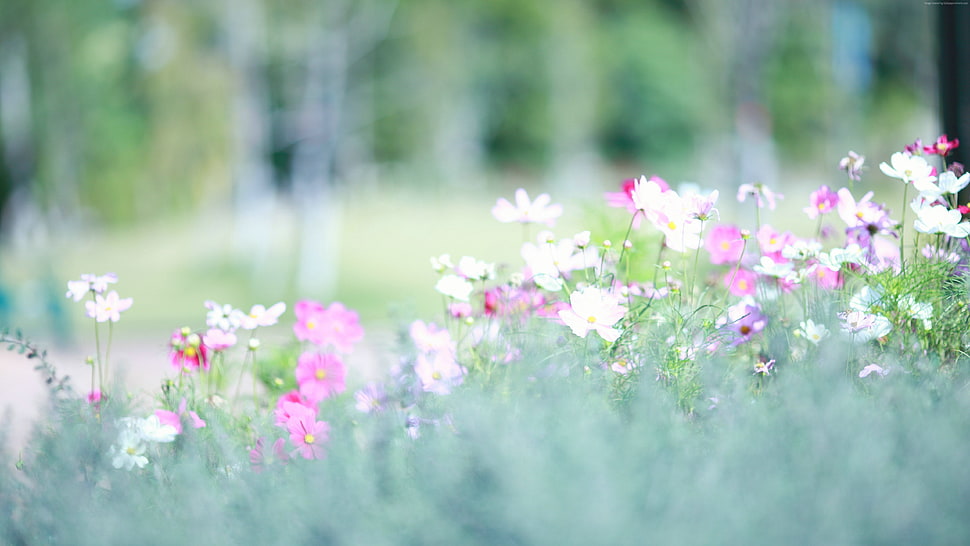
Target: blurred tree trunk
x,y
740,36
954,79
252,171
573,79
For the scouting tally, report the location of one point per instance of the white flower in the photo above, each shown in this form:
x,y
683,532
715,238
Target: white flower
x,y
261,316
151,429
910,168
593,309
873,368
441,263
811,331
769,267
801,250
473,269
918,310
223,317
455,287
866,298
835,258
129,451
525,211
939,219
862,326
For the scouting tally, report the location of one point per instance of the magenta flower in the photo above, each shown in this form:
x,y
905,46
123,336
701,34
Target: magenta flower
x,y
822,201
942,147
335,325
107,308
259,459
525,211
725,244
308,434
320,376
188,352
94,397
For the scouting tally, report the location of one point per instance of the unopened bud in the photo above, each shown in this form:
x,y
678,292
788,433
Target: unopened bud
x,y
253,344
607,244
193,340
627,244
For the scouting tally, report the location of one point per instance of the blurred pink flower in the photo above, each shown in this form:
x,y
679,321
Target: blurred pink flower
x,y
218,340
334,325
762,194
725,244
741,282
852,164
942,147
259,459
188,352
320,376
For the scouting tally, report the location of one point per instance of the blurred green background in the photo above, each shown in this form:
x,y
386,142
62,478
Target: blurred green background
x,y
251,151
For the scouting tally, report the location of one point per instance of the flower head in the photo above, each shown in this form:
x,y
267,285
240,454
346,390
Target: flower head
x,y
223,317
188,352
320,376
525,211
334,325
762,194
308,434
911,169
259,459
942,147
261,316
90,283
822,200
852,164
107,308
593,309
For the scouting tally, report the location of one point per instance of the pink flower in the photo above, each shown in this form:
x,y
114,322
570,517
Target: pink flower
x,y
428,337
259,460
772,242
107,308
287,406
335,325
741,282
188,352
942,147
261,316
174,419
308,434
823,200
94,397
725,244
320,375
875,368
825,277
218,340
525,211
438,371
593,309
852,164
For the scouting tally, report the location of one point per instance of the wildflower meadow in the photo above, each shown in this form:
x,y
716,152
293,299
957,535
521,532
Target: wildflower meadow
x,y
667,376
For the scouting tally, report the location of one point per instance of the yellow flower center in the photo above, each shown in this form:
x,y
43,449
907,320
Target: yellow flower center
x,y
130,451
672,225
591,319
190,352
858,214
745,329
321,374
821,206
725,245
743,284
772,241
309,439
941,147
310,325
436,376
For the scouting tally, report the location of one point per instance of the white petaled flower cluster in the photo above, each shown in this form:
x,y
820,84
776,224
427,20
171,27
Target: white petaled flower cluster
x,y
548,261
456,281
103,307
134,437
525,211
